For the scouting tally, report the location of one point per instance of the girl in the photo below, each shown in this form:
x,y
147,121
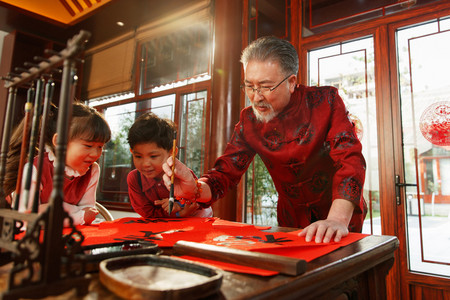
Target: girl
x,y
88,132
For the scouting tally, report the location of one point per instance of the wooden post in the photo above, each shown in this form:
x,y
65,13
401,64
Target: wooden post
x,y
226,80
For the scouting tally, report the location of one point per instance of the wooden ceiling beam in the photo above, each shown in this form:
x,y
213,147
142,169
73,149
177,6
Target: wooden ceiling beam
x,y
78,5
88,3
67,7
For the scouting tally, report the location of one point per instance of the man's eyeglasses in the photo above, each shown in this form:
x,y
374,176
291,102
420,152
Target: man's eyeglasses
x,y
262,90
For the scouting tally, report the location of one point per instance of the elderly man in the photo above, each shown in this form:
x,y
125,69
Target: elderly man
x,y
306,140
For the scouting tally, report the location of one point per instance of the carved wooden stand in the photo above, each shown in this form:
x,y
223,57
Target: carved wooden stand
x,y
43,259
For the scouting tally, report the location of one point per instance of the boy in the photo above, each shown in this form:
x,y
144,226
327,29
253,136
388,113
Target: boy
x,y
151,141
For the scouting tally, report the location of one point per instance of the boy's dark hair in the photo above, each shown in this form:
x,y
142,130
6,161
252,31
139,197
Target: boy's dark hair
x,y
149,128
88,124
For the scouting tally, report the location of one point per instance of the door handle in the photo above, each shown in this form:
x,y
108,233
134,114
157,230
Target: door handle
x,y
398,185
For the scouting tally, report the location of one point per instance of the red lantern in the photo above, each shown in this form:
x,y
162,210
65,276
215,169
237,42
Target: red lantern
x,y
435,123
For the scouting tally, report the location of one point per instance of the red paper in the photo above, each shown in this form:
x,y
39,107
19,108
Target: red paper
x,y
245,238
166,232
150,230
315,250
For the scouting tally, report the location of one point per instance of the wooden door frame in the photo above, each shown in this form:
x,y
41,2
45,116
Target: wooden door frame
x,y
407,277
389,131
384,130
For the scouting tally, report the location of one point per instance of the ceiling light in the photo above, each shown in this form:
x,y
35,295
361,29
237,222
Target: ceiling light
x,y
120,23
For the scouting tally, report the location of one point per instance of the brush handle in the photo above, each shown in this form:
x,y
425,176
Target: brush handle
x,y
172,178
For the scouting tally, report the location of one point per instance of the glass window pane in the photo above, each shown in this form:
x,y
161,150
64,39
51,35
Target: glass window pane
x,y
350,68
261,195
445,24
163,106
322,16
313,59
116,159
192,131
423,64
269,17
175,57
116,162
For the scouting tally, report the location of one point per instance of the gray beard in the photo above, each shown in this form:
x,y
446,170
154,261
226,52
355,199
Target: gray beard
x,y
263,118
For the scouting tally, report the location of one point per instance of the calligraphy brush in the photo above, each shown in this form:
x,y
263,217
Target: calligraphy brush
x,y
172,178
25,137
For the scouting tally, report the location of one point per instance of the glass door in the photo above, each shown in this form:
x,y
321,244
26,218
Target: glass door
x,y
423,63
349,66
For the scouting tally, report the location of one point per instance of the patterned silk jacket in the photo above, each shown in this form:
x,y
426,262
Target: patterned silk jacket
x,y
311,152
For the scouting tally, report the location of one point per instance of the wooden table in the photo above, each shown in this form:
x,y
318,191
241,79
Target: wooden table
x,y
356,271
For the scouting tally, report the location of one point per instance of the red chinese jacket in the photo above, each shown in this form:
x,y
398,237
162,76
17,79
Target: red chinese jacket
x,y
311,152
144,193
